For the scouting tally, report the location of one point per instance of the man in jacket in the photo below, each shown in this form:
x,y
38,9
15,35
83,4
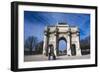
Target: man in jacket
x,y
51,55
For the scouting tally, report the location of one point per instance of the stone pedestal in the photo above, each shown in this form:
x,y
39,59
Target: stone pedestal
x,y
55,46
78,50
45,45
68,46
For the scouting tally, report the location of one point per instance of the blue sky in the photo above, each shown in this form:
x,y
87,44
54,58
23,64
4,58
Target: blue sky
x,y
34,22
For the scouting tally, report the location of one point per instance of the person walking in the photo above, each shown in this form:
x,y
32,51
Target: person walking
x,y
51,55
49,52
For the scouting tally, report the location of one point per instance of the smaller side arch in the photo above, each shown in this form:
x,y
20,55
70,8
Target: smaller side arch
x,y
73,49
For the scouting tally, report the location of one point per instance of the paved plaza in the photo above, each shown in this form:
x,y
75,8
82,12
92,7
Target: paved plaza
x,y
29,58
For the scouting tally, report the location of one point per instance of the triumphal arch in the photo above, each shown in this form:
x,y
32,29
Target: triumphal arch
x,y
71,34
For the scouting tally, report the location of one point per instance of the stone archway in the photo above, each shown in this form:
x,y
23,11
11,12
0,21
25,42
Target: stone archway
x,y
53,33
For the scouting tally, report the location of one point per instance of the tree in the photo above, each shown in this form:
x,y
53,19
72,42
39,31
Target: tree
x,y
39,47
85,45
30,43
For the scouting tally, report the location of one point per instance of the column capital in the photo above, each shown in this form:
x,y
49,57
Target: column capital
x,y
56,31
77,33
46,33
69,33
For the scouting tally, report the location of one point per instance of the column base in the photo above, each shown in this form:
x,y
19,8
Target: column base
x,y
69,52
55,53
78,52
44,53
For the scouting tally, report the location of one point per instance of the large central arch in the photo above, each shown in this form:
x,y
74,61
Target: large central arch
x,y
62,46
52,34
